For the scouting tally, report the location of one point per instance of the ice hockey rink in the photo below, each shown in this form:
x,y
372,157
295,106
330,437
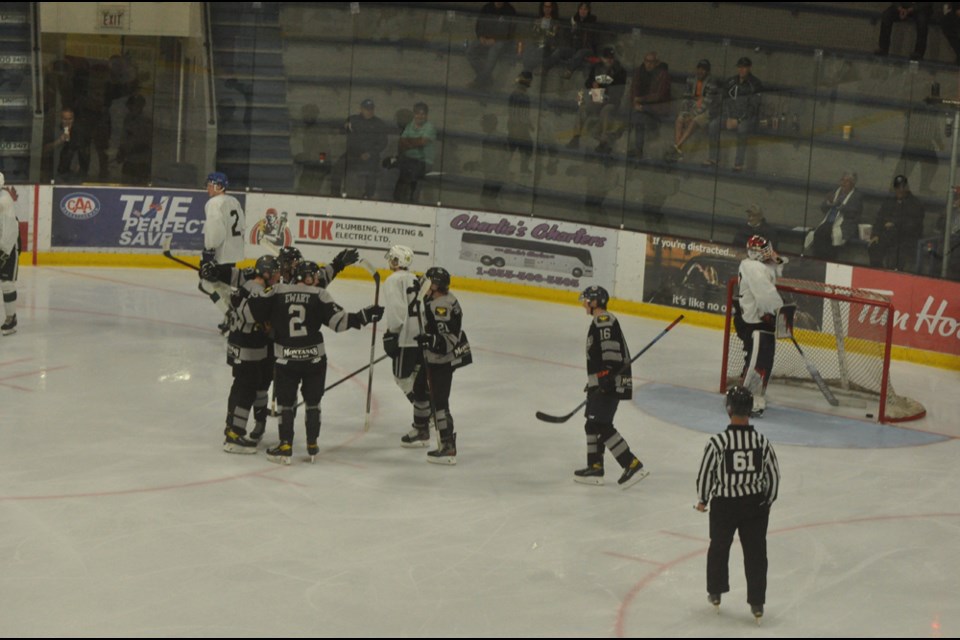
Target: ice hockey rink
x,y
120,515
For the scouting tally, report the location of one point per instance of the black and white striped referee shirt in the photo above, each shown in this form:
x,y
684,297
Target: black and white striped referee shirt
x,y
738,462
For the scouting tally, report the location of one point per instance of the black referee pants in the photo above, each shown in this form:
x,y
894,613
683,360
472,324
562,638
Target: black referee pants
x,y
748,516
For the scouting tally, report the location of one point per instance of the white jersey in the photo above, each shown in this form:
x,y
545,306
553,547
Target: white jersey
x,y
398,300
224,228
9,227
758,289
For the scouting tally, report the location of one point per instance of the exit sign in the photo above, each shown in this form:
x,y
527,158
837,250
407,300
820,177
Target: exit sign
x,y
113,17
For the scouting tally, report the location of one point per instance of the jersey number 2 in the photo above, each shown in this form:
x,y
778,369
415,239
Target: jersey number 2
x,y
236,223
298,315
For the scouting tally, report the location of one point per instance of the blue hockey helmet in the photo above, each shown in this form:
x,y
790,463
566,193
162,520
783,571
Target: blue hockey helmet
x,y
218,179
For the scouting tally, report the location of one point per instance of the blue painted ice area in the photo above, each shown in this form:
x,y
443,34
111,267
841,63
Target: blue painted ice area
x,y
703,411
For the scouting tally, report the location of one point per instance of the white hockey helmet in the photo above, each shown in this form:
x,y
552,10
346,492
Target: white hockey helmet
x,y
399,256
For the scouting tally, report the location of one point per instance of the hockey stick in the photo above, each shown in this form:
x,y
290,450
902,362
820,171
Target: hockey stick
x,y
274,414
785,330
558,419
373,339
166,254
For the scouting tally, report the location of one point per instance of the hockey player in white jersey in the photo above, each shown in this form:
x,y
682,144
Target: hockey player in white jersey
x,y
402,317
756,314
9,258
222,237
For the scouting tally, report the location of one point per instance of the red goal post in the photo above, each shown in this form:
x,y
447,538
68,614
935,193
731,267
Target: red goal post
x,y
847,334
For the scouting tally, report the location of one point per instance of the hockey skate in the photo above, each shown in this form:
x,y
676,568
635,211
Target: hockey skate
x,y
238,443
258,430
445,454
633,474
281,454
9,325
416,438
589,475
313,450
757,611
759,406
714,599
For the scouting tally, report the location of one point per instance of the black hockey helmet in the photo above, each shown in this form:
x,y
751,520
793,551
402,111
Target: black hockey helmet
x,y
439,277
593,293
307,269
739,401
288,259
266,266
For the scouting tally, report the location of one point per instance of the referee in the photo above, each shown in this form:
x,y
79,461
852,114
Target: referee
x,y
739,472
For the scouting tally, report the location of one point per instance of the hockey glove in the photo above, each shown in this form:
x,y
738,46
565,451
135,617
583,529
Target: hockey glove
x,y
344,259
607,381
208,271
391,344
373,313
208,255
769,321
433,342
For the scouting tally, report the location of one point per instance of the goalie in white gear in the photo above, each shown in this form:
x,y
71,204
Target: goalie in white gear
x,y
9,257
402,308
755,319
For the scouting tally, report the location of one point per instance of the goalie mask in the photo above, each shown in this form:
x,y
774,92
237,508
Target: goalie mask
x,y
758,248
399,256
739,401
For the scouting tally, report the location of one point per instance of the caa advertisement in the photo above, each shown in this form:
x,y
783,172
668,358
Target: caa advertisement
x,y
322,227
505,248
128,218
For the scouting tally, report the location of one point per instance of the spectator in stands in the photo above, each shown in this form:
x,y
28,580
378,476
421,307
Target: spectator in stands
x,y
519,126
841,221
604,89
580,43
135,151
650,98
756,225
544,39
495,36
740,112
700,107
951,27
72,142
415,154
366,140
920,12
897,229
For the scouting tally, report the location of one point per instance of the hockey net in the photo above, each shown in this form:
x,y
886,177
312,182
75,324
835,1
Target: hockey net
x,y
847,335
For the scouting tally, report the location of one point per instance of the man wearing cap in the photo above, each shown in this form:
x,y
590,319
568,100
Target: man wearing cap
x,y
740,113
650,98
756,225
366,140
701,105
603,91
897,229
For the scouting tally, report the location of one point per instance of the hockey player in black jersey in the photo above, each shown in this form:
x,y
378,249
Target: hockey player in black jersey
x,y
248,350
290,257
739,478
295,313
445,349
609,380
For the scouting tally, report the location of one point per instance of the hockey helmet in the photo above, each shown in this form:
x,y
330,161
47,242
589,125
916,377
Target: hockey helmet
x,y
593,293
307,269
288,260
266,267
399,256
218,179
440,277
739,401
758,248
